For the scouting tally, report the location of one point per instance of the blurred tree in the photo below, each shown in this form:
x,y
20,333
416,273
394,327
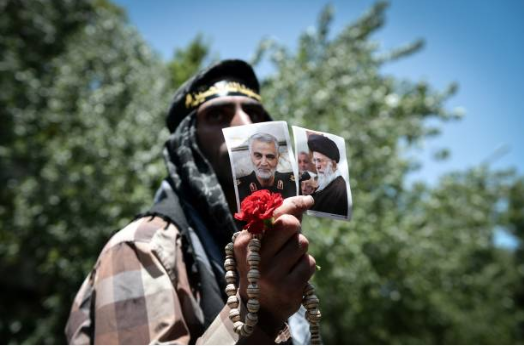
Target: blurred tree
x,y
515,224
82,100
416,264
81,105
186,62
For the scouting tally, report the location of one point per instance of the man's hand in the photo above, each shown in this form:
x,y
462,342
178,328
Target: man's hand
x,y
285,265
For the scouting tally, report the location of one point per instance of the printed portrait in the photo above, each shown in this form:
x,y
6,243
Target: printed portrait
x,y
261,158
323,172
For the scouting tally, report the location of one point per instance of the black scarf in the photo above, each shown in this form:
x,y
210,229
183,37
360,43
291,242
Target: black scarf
x,y
194,178
192,198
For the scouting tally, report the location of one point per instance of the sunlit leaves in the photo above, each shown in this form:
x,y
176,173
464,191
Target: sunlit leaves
x,y
85,110
416,264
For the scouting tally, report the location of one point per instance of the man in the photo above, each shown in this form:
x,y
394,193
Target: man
x,y
331,194
161,279
264,154
308,182
303,162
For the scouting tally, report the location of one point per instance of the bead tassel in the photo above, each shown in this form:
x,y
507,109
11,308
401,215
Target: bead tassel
x,y
310,300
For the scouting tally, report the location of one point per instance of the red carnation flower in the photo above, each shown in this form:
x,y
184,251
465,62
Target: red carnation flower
x,y
257,209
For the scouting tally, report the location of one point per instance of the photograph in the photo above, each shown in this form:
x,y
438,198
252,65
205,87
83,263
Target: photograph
x,y
323,172
261,158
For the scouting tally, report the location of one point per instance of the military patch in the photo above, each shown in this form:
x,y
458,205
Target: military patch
x,y
253,187
280,185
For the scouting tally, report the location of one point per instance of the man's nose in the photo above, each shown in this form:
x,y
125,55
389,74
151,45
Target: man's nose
x,y
240,118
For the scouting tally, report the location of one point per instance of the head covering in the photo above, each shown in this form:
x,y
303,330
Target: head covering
x,y
192,192
322,144
227,77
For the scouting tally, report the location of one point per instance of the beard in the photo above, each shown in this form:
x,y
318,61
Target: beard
x,y
324,179
265,174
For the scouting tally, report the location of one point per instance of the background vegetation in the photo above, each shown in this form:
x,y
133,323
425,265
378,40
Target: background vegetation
x,y
82,106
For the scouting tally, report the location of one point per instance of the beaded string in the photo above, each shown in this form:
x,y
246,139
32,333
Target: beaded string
x,y
310,301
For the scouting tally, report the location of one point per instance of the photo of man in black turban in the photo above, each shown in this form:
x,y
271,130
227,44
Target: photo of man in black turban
x,y
331,194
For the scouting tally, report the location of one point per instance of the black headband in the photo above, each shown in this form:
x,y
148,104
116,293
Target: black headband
x,y
219,89
225,78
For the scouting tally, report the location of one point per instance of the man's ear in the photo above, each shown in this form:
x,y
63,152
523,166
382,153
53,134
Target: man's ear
x,y
334,165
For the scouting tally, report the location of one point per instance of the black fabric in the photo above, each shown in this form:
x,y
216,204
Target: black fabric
x,y
237,70
212,299
333,199
194,201
284,184
305,176
213,250
193,178
322,144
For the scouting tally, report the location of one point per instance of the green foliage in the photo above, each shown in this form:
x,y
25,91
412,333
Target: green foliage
x,y
416,264
186,62
514,222
83,101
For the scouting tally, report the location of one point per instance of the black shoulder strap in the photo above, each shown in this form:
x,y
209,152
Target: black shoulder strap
x,y
169,208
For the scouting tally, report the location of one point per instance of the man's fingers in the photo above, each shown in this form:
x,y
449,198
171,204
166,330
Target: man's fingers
x,y
285,227
295,206
304,269
290,253
240,246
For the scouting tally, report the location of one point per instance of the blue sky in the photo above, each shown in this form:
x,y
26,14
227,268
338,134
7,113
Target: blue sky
x,y
476,43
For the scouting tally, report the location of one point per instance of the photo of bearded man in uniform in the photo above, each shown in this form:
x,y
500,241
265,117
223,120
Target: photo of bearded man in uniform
x,y
265,154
